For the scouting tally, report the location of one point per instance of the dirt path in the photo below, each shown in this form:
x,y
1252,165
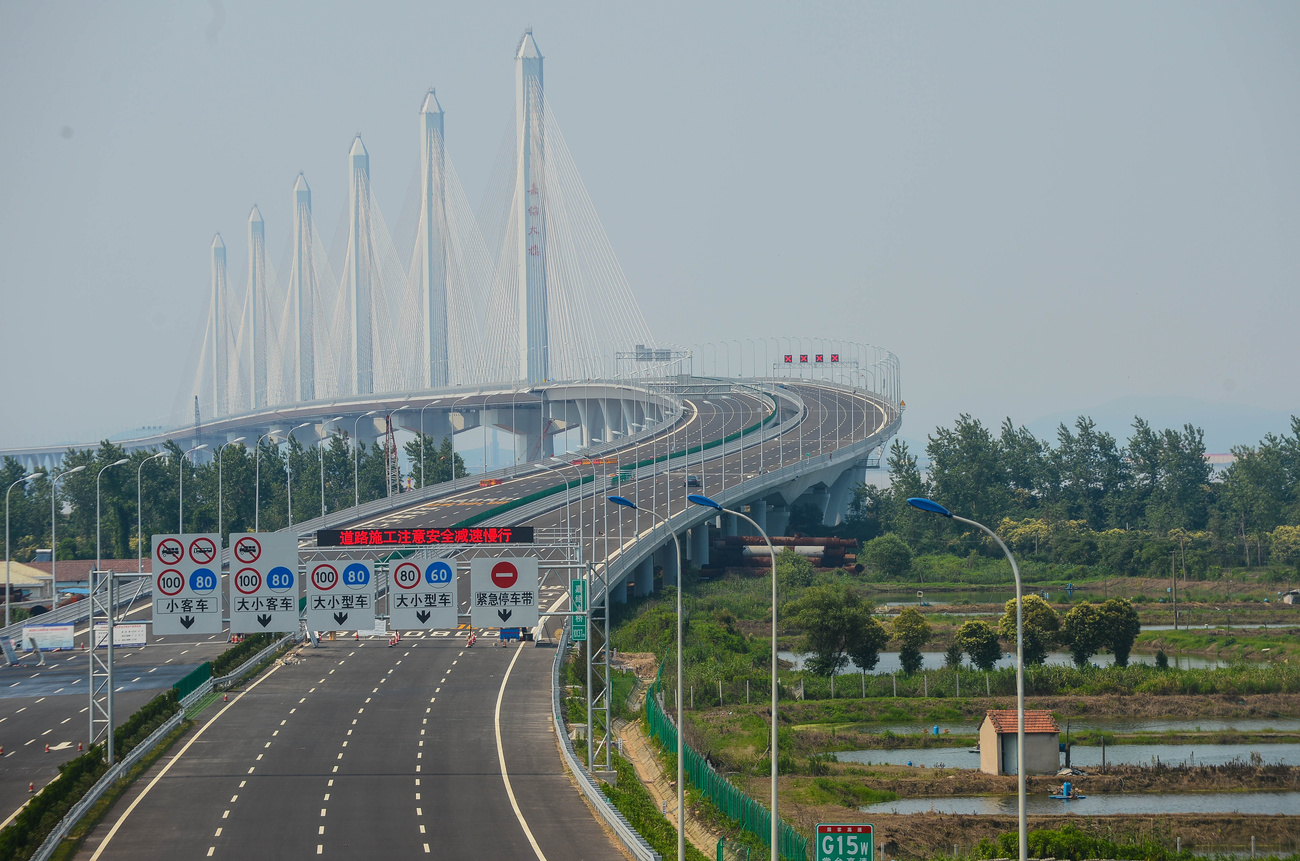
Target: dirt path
x,y
638,749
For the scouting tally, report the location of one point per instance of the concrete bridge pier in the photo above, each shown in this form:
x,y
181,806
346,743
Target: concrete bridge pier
x,y
778,520
645,578
840,494
699,544
667,559
758,511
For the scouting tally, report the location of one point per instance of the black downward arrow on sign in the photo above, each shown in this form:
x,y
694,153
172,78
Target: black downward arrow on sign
x,y
423,616
504,615
187,621
340,617
264,620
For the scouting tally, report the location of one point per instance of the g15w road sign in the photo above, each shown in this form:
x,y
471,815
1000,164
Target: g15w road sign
x,y
845,842
186,593
263,582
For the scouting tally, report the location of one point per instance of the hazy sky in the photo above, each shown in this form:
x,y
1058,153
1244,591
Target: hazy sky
x,y
1038,207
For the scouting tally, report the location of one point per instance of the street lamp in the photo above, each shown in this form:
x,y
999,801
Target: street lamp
x,y
97,514
556,469
321,447
681,730
936,508
356,462
221,449
139,512
422,409
54,545
7,586
257,478
180,494
700,499
288,471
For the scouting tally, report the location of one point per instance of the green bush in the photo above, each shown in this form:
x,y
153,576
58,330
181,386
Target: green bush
x,y
47,808
141,725
236,655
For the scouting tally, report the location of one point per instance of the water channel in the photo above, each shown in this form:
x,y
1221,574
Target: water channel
x,y
1102,804
1089,756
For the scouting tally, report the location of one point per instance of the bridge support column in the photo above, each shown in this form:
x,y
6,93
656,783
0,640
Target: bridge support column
x,y
700,544
669,562
778,520
840,495
758,511
618,591
645,578
729,526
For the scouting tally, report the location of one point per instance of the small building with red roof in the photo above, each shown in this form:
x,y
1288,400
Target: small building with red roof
x,y
998,742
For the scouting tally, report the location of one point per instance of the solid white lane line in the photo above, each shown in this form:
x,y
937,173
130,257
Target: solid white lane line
x,y
501,758
122,819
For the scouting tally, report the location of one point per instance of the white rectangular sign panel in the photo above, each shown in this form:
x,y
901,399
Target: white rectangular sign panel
x,y
263,582
503,592
423,594
341,595
47,638
186,577
131,634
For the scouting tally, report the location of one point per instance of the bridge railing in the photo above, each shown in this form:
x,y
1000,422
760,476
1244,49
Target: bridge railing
x,y
79,610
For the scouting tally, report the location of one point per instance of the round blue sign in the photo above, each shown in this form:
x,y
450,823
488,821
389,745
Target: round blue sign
x,y
203,581
438,574
356,576
279,578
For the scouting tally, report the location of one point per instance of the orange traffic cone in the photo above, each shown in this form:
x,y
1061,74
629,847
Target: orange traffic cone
x,y
47,747
225,698
78,745
31,786
2,750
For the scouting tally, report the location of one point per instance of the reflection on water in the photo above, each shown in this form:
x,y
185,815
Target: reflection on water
x,y
1101,804
1089,757
889,662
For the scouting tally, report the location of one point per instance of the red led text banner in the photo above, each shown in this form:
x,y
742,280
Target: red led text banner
x,y
421,537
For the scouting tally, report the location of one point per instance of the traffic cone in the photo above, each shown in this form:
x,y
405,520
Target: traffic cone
x,y
31,786
2,750
225,698
78,746
47,747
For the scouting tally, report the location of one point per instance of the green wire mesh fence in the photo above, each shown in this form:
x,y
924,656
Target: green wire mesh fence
x,y
752,816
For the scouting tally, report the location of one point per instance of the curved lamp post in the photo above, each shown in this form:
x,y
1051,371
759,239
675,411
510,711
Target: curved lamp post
x,y
180,493
221,449
54,545
700,499
139,512
321,448
257,479
98,520
556,469
25,478
356,458
936,508
681,770
288,471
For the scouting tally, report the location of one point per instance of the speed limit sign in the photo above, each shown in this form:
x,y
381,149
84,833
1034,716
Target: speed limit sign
x,y
187,574
263,583
845,842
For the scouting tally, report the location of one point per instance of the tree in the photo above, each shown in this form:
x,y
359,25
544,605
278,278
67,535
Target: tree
x,y
912,632
965,470
1120,623
1040,627
792,570
1083,631
836,625
980,642
889,555
441,463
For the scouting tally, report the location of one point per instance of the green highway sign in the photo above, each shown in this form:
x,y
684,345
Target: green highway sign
x,y
578,602
845,842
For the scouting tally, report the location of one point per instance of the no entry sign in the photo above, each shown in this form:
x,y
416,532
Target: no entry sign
x,y
503,592
341,596
423,594
263,583
186,597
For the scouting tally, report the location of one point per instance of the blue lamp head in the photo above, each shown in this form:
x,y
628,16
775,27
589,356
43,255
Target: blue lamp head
x,y
926,505
622,500
700,499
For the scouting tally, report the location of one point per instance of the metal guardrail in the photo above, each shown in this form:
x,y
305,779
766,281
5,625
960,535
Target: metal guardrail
x,y
627,835
78,610
103,784
235,674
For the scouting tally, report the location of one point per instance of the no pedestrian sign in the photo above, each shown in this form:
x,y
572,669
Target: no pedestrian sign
x,y
845,842
423,594
503,592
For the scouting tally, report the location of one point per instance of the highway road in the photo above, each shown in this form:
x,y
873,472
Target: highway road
x,y
431,747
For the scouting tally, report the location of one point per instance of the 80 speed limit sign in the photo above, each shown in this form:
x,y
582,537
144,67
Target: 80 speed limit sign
x,y
263,583
186,598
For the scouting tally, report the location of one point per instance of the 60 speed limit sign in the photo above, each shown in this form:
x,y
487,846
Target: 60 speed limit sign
x,y
845,842
423,596
263,583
